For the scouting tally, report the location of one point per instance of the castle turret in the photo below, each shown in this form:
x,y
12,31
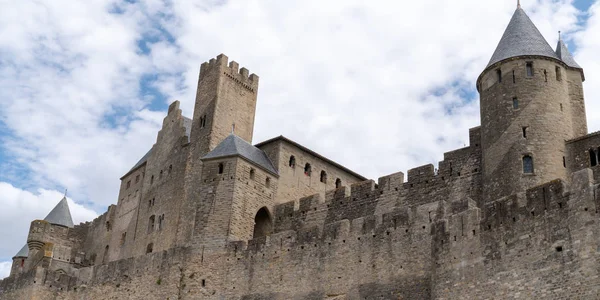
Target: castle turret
x,y
225,102
19,259
531,102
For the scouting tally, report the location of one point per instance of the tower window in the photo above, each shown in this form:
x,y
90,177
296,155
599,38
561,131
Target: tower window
x,y
564,162
527,164
307,169
525,132
252,172
149,248
221,167
323,177
515,103
514,77
593,157
529,67
338,183
151,224
292,161
268,182
123,238
545,76
561,107
128,184
137,178
499,75
558,74
203,121
152,179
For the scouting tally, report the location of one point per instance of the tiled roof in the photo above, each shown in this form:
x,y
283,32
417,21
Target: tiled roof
x,y
24,252
521,37
234,145
60,215
563,53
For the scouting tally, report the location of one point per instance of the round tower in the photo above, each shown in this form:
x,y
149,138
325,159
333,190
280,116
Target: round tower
x,y
527,111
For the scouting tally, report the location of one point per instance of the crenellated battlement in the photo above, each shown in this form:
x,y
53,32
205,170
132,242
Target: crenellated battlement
x,y
230,70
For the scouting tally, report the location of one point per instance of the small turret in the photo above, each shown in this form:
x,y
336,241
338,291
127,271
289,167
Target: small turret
x,y
19,261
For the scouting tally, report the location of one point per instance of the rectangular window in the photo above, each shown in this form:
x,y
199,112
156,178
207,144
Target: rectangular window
x,y
558,74
529,69
128,184
515,103
499,74
527,164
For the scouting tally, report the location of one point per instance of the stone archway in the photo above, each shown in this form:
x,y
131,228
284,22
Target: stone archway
x,y
263,225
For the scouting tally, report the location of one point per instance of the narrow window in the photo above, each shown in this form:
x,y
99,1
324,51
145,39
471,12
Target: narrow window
x,y
529,67
151,224
564,162
527,164
22,262
515,103
160,174
152,179
499,75
123,238
268,182
203,282
153,201
220,168
137,178
545,76
558,74
593,158
170,169
149,248
128,184
323,177
149,204
292,161
525,132
105,256
160,222
338,183
561,107
107,225
514,78
252,172
307,169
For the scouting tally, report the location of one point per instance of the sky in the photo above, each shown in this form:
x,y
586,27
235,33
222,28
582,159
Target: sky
x,y
378,86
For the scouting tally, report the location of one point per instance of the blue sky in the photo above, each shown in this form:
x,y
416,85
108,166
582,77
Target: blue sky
x,y
380,87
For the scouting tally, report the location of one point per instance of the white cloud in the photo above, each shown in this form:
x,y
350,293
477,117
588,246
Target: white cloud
x,y
5,268
379,86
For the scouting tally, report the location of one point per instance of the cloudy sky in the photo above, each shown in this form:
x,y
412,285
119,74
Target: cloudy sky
x,y
379,86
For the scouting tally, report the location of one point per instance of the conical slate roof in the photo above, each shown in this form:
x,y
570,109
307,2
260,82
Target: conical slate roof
x,y
565,55
234,145
24,252
60,215
521,37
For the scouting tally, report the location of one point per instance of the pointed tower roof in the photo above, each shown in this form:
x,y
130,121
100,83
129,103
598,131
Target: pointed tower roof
x,y
564,54
24,252
521,37
233,145
60,215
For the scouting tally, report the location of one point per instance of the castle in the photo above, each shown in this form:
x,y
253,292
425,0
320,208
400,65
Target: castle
x,y
207,215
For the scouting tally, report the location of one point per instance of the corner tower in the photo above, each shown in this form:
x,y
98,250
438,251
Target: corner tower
x,y
531,102
225,102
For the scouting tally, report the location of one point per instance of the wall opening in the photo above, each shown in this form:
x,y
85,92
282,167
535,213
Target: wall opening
x,y
525,131
564,162
152,179
268,182
123,238
499,75
105,256
221,168
338,183
149,248
252,173
262,223
593,157
151,223
558,74
323,177
529,67
161,220
307,169
292,162
515,103
559,248
545,75
514,78
527,164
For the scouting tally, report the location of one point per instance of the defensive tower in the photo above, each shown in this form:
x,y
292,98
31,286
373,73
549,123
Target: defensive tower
x,y
531,102
225,102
